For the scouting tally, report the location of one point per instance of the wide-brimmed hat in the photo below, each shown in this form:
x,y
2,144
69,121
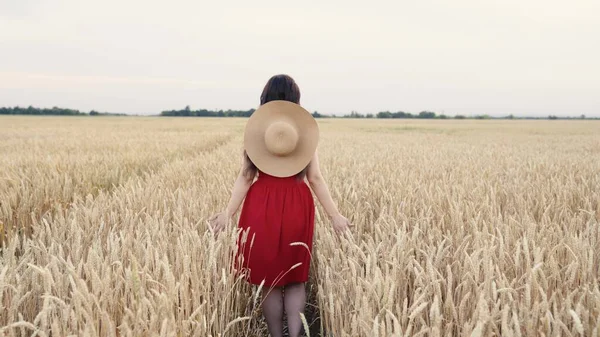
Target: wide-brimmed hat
x,y
281,138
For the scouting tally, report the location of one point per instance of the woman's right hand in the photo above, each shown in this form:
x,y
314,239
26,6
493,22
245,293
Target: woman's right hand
x,y
340,223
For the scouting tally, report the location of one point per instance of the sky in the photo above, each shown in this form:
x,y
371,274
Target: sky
x,y
521,57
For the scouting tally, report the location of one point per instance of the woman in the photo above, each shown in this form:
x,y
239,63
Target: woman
x,y
277,218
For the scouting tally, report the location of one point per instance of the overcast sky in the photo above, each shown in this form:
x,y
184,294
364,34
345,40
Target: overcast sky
x,y
525,57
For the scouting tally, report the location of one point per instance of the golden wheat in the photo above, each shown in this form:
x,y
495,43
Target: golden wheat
x,y
462,228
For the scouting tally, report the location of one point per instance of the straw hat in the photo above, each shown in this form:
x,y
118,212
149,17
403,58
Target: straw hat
x,y
281,138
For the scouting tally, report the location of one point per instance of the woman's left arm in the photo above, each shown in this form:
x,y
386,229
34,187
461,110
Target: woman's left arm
x,y
240,189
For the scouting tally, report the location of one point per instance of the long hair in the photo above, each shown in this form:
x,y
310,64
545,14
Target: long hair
x,y
278,88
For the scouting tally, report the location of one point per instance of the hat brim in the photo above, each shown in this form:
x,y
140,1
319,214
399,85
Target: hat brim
x,y
254,138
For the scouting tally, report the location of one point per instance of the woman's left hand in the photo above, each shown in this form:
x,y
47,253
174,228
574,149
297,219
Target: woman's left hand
x,y
218,222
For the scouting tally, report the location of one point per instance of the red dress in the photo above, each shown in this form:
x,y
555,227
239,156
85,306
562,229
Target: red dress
x,y
277,222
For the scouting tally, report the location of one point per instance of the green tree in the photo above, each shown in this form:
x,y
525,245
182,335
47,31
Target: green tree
x,y
355,114
426,114
384,114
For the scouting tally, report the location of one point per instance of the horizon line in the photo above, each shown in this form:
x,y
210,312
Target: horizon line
x,y
334,115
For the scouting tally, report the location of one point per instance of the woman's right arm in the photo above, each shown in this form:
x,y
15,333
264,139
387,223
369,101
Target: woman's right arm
x,y
321,190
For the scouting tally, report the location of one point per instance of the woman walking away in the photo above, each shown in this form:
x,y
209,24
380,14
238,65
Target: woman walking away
x,y
278,213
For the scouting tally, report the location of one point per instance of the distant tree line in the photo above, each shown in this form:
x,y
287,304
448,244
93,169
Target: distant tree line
x,y
187,112
433,115
247,113
580,117
399,114
384,114
53,111
36,111
407,115
96,113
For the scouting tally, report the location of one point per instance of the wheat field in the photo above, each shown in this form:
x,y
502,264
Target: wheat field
x,y
462,228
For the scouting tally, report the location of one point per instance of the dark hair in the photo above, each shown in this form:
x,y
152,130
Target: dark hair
x,y
278,88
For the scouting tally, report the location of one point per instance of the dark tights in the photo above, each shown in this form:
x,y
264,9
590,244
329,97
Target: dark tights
x,y
274,301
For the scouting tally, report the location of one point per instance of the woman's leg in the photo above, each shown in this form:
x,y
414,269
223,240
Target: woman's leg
x,y
273,310
295,300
